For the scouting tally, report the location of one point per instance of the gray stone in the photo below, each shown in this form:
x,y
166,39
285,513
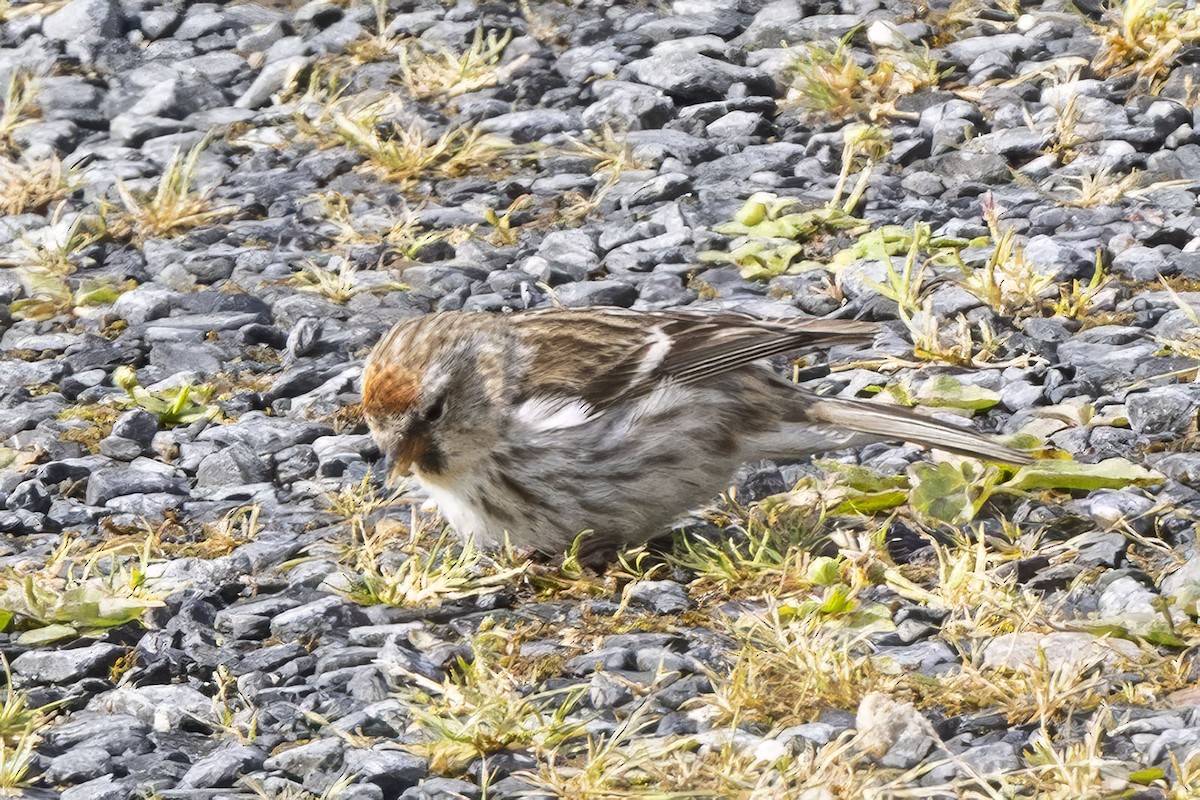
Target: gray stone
x,y
893,732
973,167
302,761
1024,652
781,23
691,76
319,616
1183,467
443,789
103,788
79,18
997,758
531,125
928,658
265,435
596,293
235,465
137,425
605,692
30,495
818,734
666,186
119,449
164,708
660,597
106,484
607,658
393,771
629,106
143,304
571,250
272,78
29,413
78,765
1176,744
1117,509
1165,412
66,666
223,767
1129,603
966,51
1141,263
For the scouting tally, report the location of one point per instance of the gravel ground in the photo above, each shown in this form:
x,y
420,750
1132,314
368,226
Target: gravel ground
x,y
211,211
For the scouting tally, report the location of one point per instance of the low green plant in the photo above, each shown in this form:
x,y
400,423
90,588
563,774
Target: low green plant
x,y
955,492
405,235
48,295
181,406
769,241
1076,302
1008,281
503,230
483,708
66,599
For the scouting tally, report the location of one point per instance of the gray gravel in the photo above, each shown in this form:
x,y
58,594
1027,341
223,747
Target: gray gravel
x,y
258,671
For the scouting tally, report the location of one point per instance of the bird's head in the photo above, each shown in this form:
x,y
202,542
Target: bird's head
x,y
427,401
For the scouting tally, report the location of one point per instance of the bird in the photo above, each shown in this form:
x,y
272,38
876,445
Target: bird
x,y
598,427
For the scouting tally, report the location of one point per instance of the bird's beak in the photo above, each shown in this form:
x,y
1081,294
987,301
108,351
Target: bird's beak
x,y
401,459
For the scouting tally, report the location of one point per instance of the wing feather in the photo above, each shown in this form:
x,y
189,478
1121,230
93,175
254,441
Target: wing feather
x,y
610,356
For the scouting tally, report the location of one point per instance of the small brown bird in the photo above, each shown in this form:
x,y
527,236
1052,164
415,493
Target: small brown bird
x,y
541,425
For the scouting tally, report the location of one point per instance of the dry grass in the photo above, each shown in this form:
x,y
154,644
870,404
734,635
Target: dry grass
x,y
406,153
429,71
18,109
483,708
1145,39
831,85
176,205
343,283
33,186
1008,282
355,226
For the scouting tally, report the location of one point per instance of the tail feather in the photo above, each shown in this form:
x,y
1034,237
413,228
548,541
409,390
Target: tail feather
x,y
903,424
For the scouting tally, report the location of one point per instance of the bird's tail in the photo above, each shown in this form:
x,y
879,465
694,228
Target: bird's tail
x,y
894,423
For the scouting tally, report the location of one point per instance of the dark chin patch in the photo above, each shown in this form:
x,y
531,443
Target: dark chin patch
x,y
432,461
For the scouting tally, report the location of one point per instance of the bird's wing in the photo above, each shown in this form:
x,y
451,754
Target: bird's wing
x,y
609,356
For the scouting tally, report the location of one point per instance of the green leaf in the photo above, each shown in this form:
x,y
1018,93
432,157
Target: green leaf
x,y
47,634
945,391
871,502
1161,637
861,478
125,378
1111,473
952,493
118,610
752,212
824,571
942,491
837,601
1145,777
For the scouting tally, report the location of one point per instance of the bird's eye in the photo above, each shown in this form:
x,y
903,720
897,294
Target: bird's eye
x,y
435,411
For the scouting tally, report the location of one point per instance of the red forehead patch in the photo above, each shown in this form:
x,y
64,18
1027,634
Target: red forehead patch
x,y
389,391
